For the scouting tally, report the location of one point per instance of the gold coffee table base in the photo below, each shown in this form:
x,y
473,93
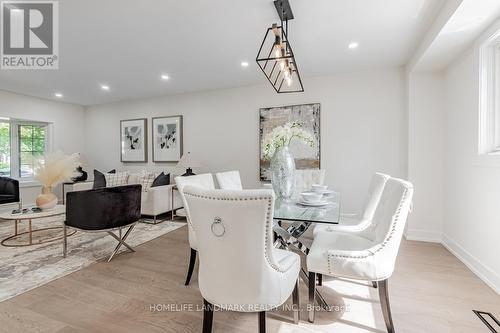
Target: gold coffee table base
x,y
31,240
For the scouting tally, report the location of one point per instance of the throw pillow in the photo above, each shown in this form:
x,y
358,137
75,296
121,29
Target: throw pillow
x,y
116,179
146,180
162,179
99,179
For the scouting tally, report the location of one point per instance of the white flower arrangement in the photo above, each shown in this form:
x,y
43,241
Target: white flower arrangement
x,y
56,168
282,136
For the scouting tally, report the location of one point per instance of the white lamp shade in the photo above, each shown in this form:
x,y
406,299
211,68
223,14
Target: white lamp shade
x,y
187,161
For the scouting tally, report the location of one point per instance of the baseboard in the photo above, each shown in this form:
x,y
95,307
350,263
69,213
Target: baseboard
x,y
423,236
486,274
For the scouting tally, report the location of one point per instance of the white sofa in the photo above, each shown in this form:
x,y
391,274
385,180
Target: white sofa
x,y
155,201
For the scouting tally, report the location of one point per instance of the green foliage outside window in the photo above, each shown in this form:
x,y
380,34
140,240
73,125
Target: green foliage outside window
x,y
31,148
4,149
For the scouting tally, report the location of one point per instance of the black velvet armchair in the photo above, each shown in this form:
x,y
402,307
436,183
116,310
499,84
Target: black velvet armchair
x,y
105,209
9,191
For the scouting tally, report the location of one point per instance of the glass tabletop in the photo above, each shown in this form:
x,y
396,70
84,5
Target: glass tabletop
x,y
294,211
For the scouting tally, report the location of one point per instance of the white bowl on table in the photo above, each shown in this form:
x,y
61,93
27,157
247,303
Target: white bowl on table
x,y
311,197
319,188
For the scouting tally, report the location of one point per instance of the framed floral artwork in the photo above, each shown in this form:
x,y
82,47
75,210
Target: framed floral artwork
x,y
167,138
133,140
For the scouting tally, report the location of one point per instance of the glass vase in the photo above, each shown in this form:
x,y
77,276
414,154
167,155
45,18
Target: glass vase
x,y
283,173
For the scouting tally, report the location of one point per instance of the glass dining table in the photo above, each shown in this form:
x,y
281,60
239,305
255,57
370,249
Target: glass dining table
x,y
292,219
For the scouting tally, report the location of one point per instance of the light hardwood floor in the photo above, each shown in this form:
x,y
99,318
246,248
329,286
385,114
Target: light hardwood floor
x,y
431,291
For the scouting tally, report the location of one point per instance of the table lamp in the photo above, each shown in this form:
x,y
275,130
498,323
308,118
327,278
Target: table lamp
x,y
187,162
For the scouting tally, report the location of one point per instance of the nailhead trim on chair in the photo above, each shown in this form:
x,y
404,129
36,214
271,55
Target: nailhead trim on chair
x,y
269,219
382,245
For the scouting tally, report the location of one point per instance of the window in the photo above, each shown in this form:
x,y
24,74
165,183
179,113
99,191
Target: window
x,y
489,93
4,149
22,145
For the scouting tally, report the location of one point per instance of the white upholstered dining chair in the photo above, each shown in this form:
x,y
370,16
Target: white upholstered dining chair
x,y
358,223
229,180
240,270
304,179
369,254
204,181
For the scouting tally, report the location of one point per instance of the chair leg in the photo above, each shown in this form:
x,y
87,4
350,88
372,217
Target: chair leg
x,y
208,316
374,284
296,303
312,292
192,261
262,322
121,241
320,279
65,240
386,307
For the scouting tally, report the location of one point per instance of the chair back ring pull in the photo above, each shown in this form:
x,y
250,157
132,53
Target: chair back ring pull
x,y
218,228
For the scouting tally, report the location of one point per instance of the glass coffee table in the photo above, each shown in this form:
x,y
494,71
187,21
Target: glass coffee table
x,y
31,217
300,218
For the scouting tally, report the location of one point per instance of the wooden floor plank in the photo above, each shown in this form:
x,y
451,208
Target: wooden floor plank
x,y
431,291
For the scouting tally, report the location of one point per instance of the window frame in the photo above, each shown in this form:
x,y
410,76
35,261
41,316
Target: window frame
x,y
15,153
489,94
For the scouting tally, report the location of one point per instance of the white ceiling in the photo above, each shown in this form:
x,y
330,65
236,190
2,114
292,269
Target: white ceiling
x,y
127,44
460,30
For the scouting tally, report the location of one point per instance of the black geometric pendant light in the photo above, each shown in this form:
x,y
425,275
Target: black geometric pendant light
x,y
276,58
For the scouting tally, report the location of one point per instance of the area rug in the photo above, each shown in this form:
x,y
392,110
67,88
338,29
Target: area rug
x,y
25,268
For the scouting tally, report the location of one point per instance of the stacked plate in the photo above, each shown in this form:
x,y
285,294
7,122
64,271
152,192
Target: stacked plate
x,y
316,197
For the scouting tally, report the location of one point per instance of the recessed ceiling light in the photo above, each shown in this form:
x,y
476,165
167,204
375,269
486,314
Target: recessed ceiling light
x,y
104,87
353,45
244,64
58,95
165,77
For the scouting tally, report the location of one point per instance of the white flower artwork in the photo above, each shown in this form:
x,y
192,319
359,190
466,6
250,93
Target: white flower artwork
x,y
133,134
167,139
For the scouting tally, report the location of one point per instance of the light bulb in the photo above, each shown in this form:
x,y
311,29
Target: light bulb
x,y
282,64
289,81
277,51
287,73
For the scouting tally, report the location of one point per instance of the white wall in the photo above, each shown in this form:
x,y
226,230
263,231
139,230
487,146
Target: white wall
x,y
472,182
67,131
425,155
362,117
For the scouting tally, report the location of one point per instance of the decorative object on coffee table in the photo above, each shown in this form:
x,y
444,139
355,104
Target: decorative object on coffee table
x,y
276,147
54,169
308,115
188,163
167,138
133,139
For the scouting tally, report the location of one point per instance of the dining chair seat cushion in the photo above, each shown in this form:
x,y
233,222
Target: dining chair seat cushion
x,y
343,255
346,224
274,292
